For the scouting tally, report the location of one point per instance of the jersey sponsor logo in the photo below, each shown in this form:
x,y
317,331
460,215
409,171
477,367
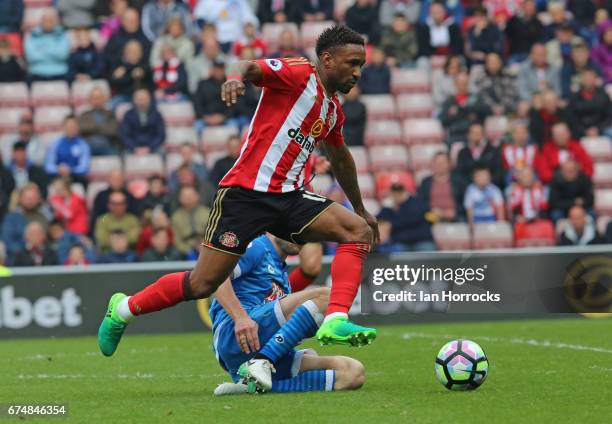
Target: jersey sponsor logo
x,y
303,140
317,128
276,292
274,64
229,239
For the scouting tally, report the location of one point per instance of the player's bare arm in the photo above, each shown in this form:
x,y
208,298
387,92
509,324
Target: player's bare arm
x,y
234,87
343,165
245,328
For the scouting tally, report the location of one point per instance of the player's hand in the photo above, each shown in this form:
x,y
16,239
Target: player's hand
x,y
373,223
231,90
245,330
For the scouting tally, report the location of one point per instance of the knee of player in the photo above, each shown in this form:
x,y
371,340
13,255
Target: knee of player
x,y
350,375
360,232
311,266
357,371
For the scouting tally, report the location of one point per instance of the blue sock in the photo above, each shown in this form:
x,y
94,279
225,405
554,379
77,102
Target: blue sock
x,y
308,381
302,324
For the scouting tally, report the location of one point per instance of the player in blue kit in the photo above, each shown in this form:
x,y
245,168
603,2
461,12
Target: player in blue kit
x,y
256,303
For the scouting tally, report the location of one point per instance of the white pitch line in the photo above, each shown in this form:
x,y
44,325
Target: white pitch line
x,y
514,340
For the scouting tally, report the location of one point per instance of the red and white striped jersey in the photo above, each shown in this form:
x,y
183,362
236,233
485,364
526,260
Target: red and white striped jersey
x,y
292,116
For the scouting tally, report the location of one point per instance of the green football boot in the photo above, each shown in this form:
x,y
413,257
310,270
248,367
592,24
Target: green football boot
x,y
340,330
112,327
251,383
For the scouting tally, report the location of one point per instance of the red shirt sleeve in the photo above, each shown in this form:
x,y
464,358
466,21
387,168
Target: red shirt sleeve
x,y
283,74
335,137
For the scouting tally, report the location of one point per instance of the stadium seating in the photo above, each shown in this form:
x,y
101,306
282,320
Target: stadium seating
x,y
454,151
414,106
422,154
422,131
179,114
271,32
535,234
372,206
37,3
9,119
603,202
599,148
321,184
602,175
50,118
31,17
496,127
420,175
452,236
379,106
366,185
79,94
492,235
143,166
214,139
102,165
14,94
383,132
48,138
50,93
122,109
389,158
360,155
384,181
176,136
410,81
602,224
310,31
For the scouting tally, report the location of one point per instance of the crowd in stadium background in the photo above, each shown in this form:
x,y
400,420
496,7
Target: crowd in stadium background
x,y
476,123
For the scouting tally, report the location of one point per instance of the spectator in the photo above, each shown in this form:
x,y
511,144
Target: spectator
x,y
11,67
536,74
11,15
189,158
76,257
483,200
35,148
187,178
590,108
129,31
85,63
224,164
363,18
7,185
518,154
36,252
571,72
602,52
47,49
189,221
443,84
161,250
131,74
152,220
176,38
157,195
24,171
409,227
399,42
438,34
99,125
443,191
116,182
69,207
355,118
77,13
62,242
250,40
376,76
69,155
480,153
287,46
119,251
558,18
483,38
558,50
527,201
112,22
580,230
559,150
317,11
269,11
522,31
170,77
116,219
461,110
389,8
210,109
569,187
201,65
545,113
142,129
156,13
30,208
497,88
229,16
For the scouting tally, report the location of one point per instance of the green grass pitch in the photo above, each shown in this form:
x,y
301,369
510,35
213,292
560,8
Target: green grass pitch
x,y
548,371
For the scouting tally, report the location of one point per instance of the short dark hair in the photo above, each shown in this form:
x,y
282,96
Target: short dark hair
x,y
336,36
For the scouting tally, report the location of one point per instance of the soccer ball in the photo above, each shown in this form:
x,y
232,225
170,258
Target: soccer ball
x,y
461,365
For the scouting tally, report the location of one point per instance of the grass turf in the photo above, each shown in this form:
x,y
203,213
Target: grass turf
x,y
549,371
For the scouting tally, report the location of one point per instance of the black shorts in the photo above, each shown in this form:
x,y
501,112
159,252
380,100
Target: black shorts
x,y
239,215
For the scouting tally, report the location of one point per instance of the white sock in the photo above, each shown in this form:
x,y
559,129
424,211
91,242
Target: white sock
x,y
335,315
123,310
